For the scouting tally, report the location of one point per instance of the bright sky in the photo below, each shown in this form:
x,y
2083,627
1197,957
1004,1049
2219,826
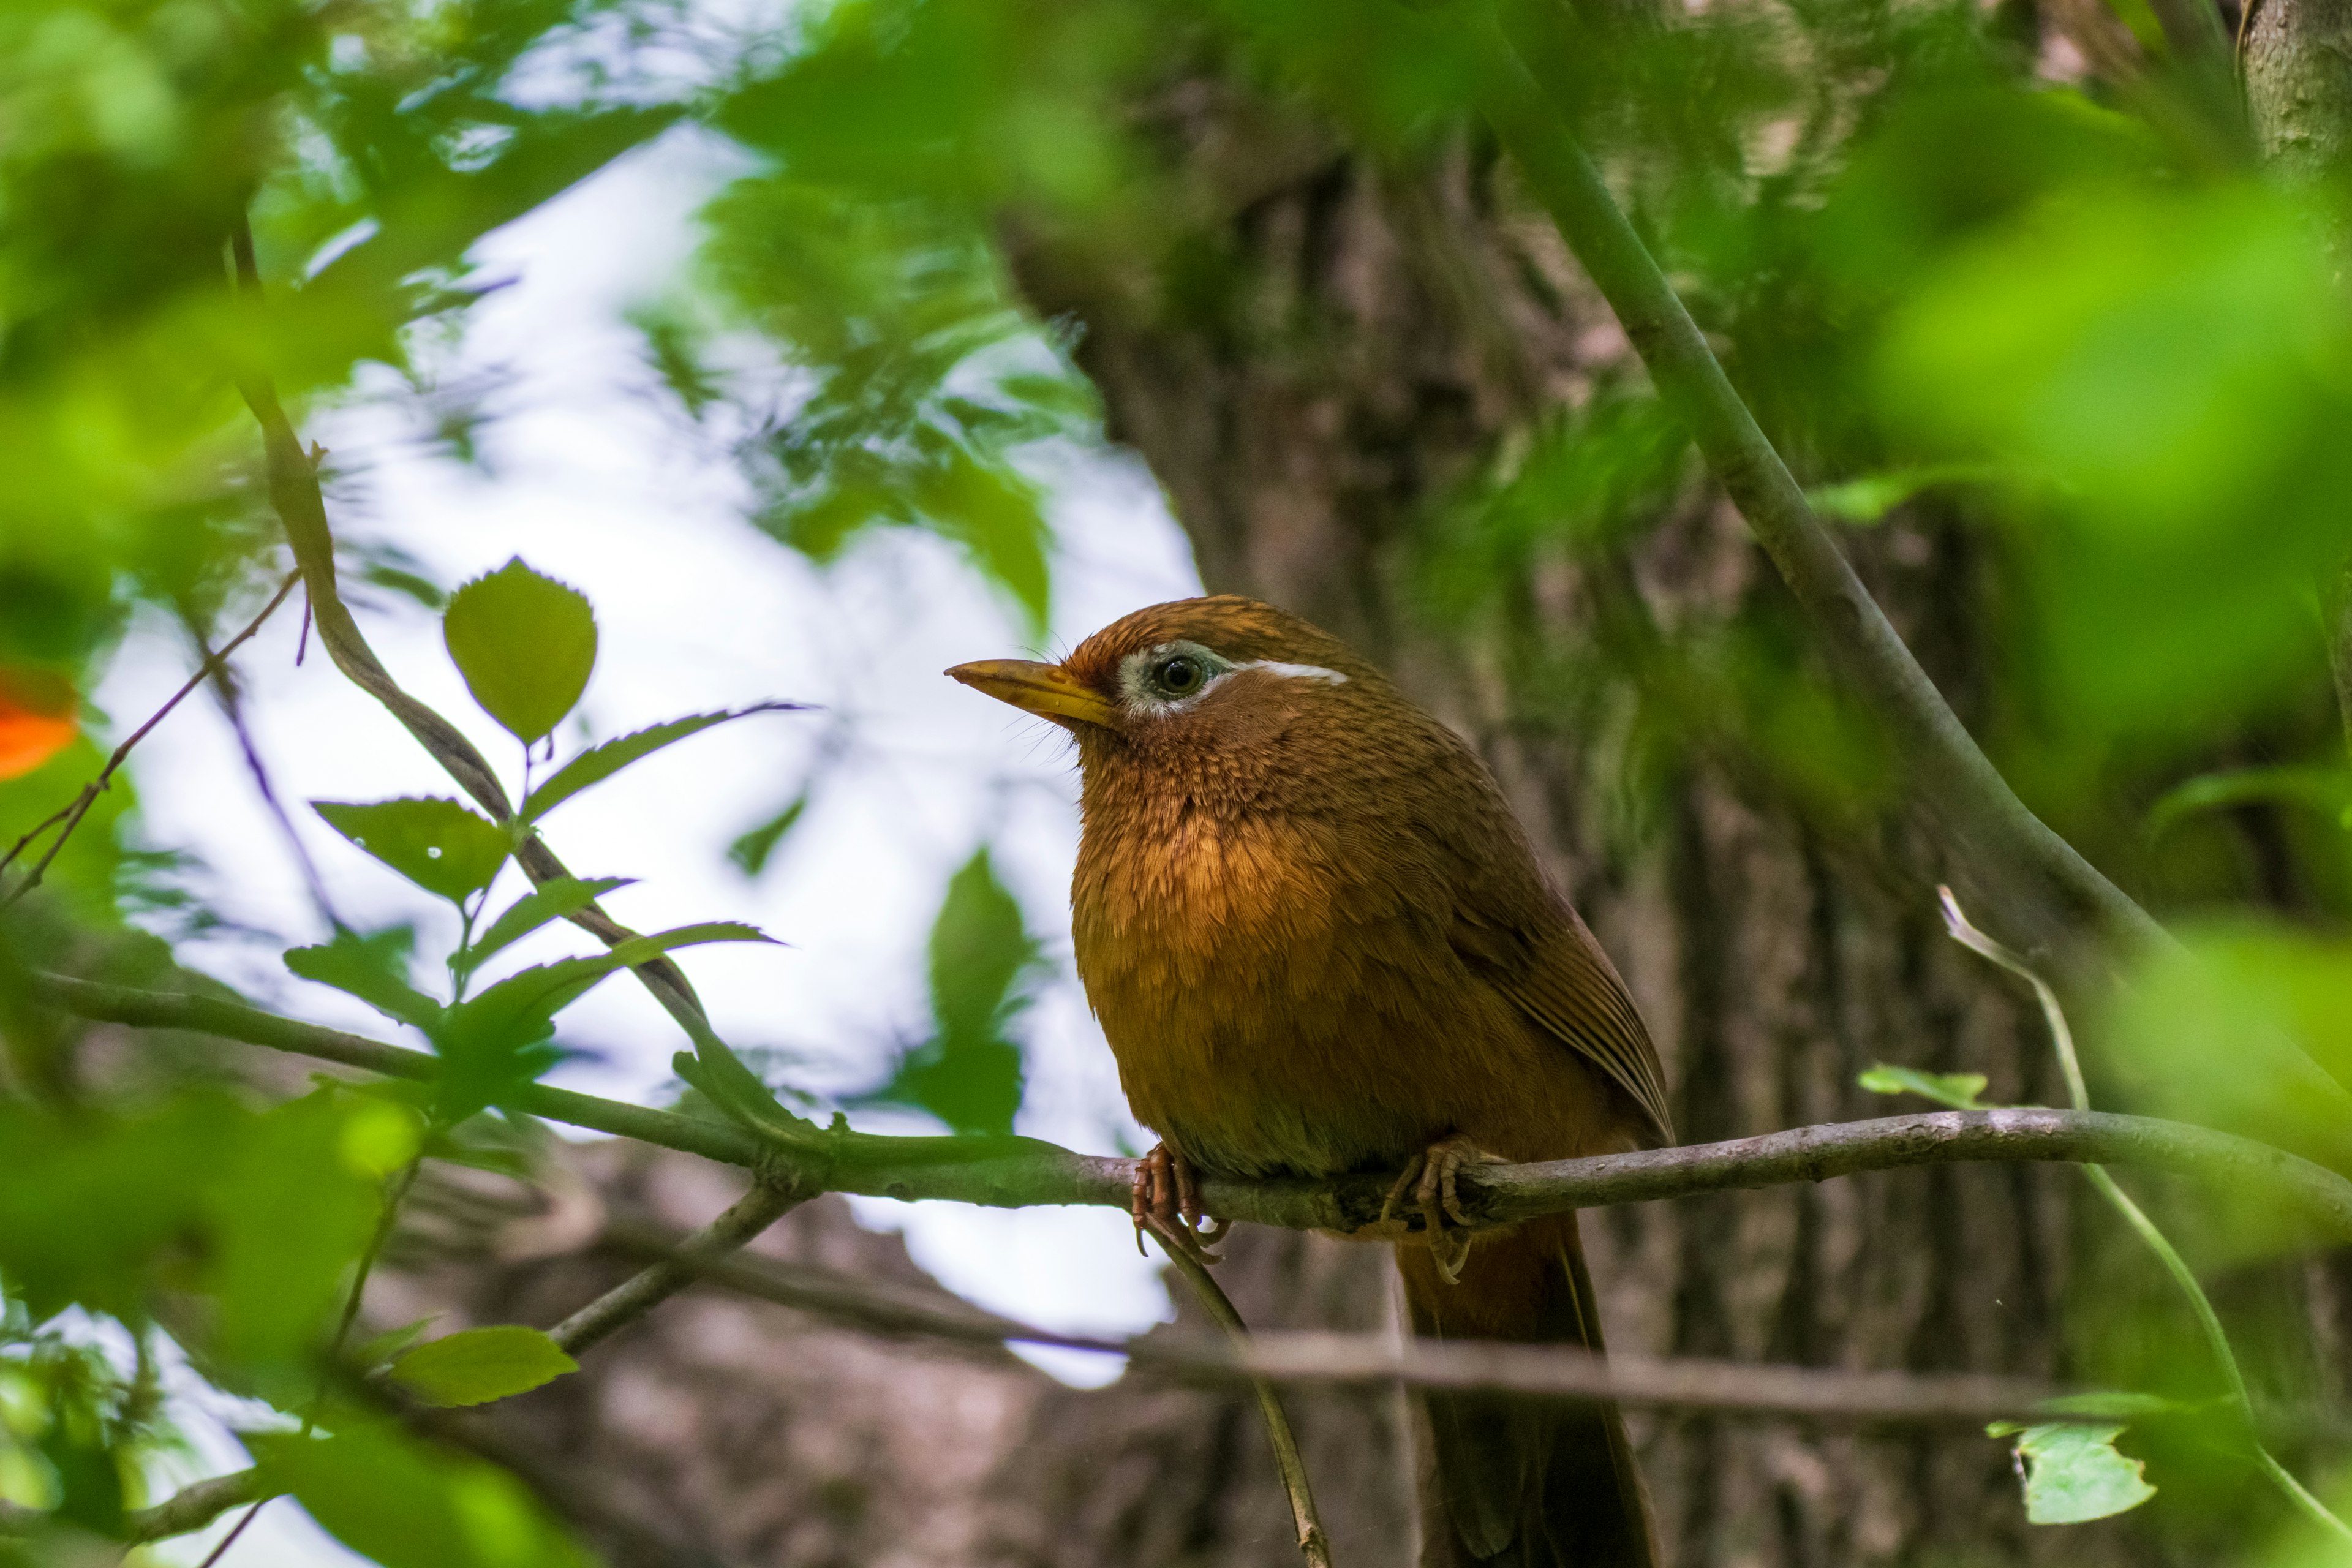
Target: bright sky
x,y
593,476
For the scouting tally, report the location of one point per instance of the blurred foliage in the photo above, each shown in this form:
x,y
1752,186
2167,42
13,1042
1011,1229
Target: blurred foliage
x,y
2038,326
969,1073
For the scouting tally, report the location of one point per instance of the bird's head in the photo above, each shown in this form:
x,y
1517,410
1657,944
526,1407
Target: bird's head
x,y
1223,675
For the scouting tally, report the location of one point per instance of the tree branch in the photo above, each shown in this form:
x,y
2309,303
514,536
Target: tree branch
x,y
1014,1173
196,1506
1873,1398
2025,867
755,1211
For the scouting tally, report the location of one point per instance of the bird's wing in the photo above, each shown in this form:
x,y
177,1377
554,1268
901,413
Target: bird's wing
x,y
1552,969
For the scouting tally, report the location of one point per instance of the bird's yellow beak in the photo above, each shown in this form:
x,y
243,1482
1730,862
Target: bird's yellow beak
x,y
1045,689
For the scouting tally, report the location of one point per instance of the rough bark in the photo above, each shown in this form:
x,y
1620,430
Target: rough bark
x,y
2298,66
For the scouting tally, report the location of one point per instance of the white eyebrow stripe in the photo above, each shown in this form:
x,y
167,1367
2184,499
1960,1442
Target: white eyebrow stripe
x,y
1296,671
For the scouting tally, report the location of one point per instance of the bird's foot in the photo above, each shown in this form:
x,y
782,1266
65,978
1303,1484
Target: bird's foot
x,y
1433,1178
1165,1199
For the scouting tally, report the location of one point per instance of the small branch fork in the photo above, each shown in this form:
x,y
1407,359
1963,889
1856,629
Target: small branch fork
x,y
71,814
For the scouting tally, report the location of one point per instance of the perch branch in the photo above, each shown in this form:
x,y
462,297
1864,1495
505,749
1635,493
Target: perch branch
x,y
1014,1173
1959,782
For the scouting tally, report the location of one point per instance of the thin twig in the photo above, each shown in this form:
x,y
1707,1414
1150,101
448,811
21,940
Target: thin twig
x,y
301,507
768,1201
242,1525
1313,1544
2217,1339
73,815
1015,1172
1956,778
232,705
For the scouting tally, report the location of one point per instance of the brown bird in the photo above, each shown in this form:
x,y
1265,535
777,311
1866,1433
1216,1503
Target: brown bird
x,y
1318,942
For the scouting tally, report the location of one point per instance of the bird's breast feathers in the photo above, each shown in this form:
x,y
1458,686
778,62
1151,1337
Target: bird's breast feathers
x,y
1256,995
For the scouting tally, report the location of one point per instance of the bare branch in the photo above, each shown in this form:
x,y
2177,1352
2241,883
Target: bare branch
x,y
72,814
755,1211
1873,1398
1014,1173
2030,874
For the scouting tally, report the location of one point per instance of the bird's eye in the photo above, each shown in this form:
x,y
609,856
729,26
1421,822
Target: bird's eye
x,y
1180,676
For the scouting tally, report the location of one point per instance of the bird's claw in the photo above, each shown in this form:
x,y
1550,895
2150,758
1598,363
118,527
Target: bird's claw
x,y
1165,1199
1434,1177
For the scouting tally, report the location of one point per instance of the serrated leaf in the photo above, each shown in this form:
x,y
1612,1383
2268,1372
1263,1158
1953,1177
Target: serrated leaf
x,y
477,1365
1957,1090
751,850
373,967
2074,1473
600,763
442,847
525,644
553,900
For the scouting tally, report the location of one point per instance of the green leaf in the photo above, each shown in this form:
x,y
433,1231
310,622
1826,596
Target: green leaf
x,y
600,763
479,1365
290,1207
2074,1473
493,1044
1957,1090
2105,1405
373,967
968,1075
392,1498
750,852
999,518
980,949
525,645
553,900
90,1479
442,847
2324,790
1870,497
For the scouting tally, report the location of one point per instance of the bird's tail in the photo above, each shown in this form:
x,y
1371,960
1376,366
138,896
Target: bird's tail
x,y
1514,1483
